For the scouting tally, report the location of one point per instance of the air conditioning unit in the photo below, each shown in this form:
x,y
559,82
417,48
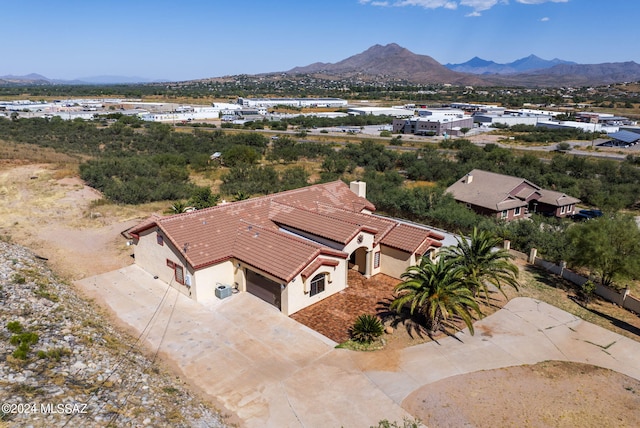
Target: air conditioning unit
x,y
223,291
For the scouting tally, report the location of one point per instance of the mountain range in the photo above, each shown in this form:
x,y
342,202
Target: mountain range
x,y
38,79
393,63
481,66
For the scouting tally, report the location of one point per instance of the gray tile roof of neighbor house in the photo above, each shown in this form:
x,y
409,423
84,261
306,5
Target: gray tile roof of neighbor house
x,y
491,190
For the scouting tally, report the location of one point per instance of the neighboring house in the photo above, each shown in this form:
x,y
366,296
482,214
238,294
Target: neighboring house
x,y
509,198
291,249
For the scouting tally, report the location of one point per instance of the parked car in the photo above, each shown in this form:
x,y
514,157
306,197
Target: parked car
x,y
591,213
579,216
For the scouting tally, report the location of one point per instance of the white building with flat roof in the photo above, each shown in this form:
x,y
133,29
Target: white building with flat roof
x,y
293,102
380,111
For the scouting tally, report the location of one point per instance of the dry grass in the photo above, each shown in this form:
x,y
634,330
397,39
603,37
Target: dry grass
x,y
30,153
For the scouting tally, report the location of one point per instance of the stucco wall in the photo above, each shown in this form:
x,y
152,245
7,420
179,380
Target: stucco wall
x,y
394,262
152,257
205,280
296,297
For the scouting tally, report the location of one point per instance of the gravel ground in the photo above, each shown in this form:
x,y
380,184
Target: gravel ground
x,y
62,364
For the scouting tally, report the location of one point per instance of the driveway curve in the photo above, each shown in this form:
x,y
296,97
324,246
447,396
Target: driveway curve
x,y
271,371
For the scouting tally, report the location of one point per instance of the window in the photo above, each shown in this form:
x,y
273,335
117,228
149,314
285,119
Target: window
x,y
563,209
504,214
317,284
171,264
179,274
516,211
159,239
376,260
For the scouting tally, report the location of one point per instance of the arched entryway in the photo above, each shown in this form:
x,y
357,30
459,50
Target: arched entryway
x,y
358,260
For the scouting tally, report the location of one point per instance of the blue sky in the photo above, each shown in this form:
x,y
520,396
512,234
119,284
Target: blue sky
x,y
190,39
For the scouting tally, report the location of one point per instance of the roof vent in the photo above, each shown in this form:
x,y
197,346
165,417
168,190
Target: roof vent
x,y
469,178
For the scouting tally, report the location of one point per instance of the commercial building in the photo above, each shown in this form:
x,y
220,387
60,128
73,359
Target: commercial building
x,y
434,122
380,111
293,102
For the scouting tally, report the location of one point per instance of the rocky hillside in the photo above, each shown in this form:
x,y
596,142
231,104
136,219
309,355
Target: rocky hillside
x,y
62,364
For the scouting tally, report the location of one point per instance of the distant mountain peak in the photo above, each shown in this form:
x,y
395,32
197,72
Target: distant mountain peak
x,y
31,76
389,60
523,65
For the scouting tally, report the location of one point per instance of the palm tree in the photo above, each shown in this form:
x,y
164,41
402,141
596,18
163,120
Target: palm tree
x,y
481,263
437,291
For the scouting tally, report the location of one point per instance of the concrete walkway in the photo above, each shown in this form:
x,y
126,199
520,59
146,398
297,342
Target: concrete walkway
x,y
271,371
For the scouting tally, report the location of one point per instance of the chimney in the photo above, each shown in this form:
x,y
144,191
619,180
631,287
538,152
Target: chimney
x,y
359,188
469,178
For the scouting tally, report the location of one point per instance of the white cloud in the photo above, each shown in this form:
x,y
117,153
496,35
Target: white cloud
x,y
477,5
545,19
480,5
541,1
427,4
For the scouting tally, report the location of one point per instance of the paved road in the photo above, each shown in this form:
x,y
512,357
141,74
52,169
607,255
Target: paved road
x,y
271,371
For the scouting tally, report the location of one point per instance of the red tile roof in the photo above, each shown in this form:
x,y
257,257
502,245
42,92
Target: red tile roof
x,y
381,225
277,253
408,238
319,224
316,264
249,230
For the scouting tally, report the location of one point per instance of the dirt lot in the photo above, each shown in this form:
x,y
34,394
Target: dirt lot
x,y
47,210
548,394
51,212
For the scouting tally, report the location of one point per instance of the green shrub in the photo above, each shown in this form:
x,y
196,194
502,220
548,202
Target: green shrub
x,y
587,290
21,352
26,338
366,329
15,327
406,423
18,279
24,342
54,354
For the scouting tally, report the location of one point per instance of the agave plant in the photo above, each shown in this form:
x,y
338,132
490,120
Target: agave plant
x,y
366,329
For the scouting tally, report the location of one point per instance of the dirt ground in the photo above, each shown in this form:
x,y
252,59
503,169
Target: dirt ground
x,y
44,209
50,211
548,394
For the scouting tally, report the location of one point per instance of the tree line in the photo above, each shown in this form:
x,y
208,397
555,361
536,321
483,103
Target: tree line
x,y
132,161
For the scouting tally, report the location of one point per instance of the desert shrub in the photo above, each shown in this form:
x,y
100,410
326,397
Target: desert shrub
x,y
24,342
587,290
15,327
366,329
54,354
18,279
406,423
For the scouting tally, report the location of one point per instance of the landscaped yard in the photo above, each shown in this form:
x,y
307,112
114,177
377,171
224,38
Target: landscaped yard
x,y
334,316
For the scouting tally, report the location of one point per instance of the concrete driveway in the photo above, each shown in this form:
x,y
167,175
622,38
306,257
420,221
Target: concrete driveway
x,y
262,366
273,372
